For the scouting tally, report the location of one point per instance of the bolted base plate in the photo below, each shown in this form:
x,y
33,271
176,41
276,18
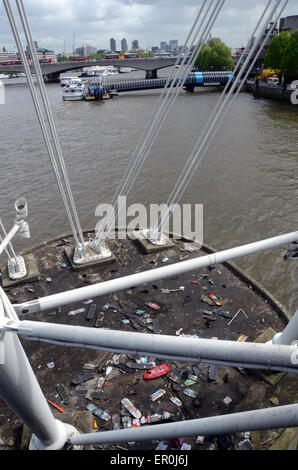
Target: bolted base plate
x,y
148,247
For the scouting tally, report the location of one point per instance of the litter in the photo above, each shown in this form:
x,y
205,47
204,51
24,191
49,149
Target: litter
x,y
116,422
87,302
176,401
131,408
98,321
212,372
224,313
136,423
161,446
156,328
217,300
242,339
50,365
175,378
185,447
125,321
165,260
189,382
61,410
274,401
89,366
153,306
227,400
63,265
83,378
245,445
206,300
130,304
168,291
94,425
63,394
190,247
109,306
76,312
91,312
79,393
200,439
98,412
126,422
190,393
235,316
178,332
140,312
101,382
158,394
156,372
124,368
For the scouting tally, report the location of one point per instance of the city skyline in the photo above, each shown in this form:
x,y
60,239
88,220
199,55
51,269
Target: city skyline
x,y
56,23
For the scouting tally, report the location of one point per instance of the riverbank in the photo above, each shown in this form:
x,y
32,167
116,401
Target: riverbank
x,y
274,92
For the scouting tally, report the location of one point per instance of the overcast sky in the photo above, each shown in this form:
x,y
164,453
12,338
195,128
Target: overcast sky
x,y
94,22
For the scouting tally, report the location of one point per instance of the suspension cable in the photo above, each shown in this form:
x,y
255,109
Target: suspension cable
x,y
209,128
41,120
155,127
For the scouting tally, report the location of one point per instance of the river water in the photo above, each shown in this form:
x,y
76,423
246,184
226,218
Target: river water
x,y
247,181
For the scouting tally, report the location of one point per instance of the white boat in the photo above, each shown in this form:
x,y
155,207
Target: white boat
x,y
67,80
125,70
74,91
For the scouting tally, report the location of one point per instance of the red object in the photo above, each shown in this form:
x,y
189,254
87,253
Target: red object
x,y
156,372
56,406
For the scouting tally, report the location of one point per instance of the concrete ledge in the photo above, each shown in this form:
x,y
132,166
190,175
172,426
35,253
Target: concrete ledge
x,y
33,273
70,251
269,377
287,441
149,248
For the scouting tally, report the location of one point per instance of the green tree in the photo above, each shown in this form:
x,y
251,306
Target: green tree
x,y
292,56
215,56
278,52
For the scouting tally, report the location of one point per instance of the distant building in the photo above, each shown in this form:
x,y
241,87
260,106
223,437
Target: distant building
x,y
163,45
124,47
135,45
289,23
174,45
8,56
155,49
113,45
85,50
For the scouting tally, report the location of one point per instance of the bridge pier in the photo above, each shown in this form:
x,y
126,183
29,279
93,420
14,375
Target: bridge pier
x,y
189,87
151,74
52,78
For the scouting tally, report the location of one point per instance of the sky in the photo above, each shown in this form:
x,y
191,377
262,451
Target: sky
x,y
94,22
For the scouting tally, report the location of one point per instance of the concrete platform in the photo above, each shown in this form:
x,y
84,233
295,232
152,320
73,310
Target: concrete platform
x,y
269,377
149,248
33,274
69,253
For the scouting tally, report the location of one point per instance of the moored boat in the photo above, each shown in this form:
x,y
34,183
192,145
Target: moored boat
x,y
74,91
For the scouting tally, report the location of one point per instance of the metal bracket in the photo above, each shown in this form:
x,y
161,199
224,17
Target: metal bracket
x,y
93,251
154,237
292,252
16,271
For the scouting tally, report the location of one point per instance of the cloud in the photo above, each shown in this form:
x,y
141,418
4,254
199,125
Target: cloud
x,y
150,21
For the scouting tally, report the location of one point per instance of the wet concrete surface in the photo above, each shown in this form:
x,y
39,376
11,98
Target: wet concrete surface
x,y
187,311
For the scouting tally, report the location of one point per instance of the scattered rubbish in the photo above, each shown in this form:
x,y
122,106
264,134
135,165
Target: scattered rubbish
x,y
91,312
124,368
223,313
98,412
127,314
61,410
83,378
50,365
189,382
109,307
165,260
87,302
115,422
158,394
212,372
89,366
217,300
140,312
195,282
176,401
136,423
79,393
147,366
185,447
189,336
98,321
206,300
235,316
156,328
153,305
126,422
131,408
101,382
190,393
175,378
63,394
156,372
76,312
161,446
125,321
63,265
31,291
131,304
49,279
168,291
274,401
227,400
200,439
245,445
242,338
183,257
178,332
94,425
